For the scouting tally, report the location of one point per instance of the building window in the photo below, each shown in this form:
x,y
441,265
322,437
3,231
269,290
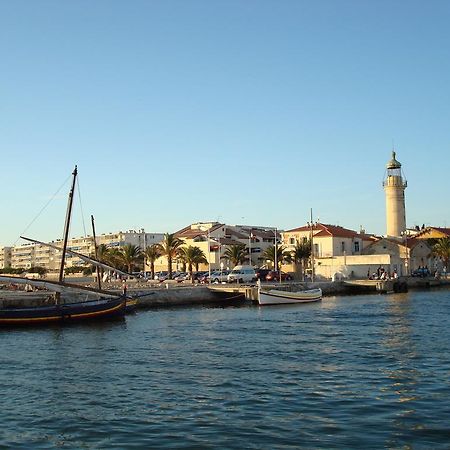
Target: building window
x,y
316,249
342,246
292,241
356,246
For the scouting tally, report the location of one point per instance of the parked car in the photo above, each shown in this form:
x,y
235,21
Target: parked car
x,y
182,276
202,277
219,276
421,272
275,276
261,274
242,274
161,276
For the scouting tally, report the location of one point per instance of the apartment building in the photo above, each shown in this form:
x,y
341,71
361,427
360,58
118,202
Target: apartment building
x,y
5,257
37,255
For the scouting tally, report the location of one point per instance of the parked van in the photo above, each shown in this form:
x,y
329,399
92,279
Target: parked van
x,y
242,274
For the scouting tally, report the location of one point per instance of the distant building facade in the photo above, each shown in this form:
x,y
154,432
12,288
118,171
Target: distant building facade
x,y
328,240
36,255
213,238
5,257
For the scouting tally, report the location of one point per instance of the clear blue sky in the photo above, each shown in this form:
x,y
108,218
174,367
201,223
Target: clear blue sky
x,y
240,111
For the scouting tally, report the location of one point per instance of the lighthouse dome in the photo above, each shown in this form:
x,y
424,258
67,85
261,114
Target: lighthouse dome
x,y
393,163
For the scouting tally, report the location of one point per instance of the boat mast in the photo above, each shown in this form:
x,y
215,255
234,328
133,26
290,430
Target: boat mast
x,y
96,254
67,224
312,247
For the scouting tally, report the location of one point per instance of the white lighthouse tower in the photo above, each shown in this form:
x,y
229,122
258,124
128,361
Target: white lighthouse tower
x,y
394,187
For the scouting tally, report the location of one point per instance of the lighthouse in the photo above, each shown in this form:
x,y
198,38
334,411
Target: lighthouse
x,y
394,187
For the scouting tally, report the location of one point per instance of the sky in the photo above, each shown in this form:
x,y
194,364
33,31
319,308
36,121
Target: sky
x,y
249,112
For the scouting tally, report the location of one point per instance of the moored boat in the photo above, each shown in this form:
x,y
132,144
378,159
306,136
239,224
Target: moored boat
x,y
278,297
104,305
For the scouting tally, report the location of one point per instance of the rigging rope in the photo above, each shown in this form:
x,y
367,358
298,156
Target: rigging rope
x,y
42,210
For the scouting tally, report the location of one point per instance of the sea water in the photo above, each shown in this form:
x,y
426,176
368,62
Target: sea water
x,y
347,372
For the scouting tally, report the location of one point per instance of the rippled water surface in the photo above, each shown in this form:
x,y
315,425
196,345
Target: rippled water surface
x,y
349,372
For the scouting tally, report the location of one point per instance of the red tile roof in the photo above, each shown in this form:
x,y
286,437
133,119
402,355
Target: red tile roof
x,y
321,230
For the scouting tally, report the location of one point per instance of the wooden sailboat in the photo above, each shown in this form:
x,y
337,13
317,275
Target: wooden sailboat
x,y
66,308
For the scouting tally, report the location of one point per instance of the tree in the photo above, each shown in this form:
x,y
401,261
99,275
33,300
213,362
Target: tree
x,y
37,269
299,255
169,248
129,255
236,254
105,255
441,249
151,254
269,255
192,255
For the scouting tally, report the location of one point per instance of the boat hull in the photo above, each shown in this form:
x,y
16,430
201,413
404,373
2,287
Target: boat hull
x,y
276,297
102,309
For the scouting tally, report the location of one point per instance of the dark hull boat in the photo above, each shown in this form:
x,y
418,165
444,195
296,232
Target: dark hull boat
x,y
103,309
104,305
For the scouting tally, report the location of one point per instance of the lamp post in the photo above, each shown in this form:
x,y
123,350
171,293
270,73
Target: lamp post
x,y
275,251
405,236
250,248
144,248
312,247
209,259
220,261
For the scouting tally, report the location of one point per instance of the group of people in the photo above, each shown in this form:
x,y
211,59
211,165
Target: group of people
x,y
382,274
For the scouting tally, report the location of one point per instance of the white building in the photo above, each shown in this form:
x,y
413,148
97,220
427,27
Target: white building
x,y
36,255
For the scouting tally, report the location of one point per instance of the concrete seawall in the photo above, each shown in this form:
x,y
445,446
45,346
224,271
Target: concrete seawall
x,y
169,295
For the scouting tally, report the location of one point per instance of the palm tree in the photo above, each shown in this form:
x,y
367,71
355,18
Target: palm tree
x,y
115,258
105,255
236,254
441,249
169,248
151,254
129,255
299,255
269,255
192,256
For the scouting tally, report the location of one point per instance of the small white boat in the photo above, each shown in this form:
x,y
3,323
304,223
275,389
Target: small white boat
x,y
277,297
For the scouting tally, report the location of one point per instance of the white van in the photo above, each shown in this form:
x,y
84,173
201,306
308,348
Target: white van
x,y
242,274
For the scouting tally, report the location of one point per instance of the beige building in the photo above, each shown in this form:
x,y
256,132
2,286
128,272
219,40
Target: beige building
x,y
328,240
5,257
213,238
337,250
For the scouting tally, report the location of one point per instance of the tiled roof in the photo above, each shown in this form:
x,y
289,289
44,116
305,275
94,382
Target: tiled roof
x,y
321,230
227,241
443,230
190,233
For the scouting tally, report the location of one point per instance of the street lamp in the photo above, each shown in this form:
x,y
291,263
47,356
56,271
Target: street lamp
x,y
250,248
405,236
275,251
209,259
